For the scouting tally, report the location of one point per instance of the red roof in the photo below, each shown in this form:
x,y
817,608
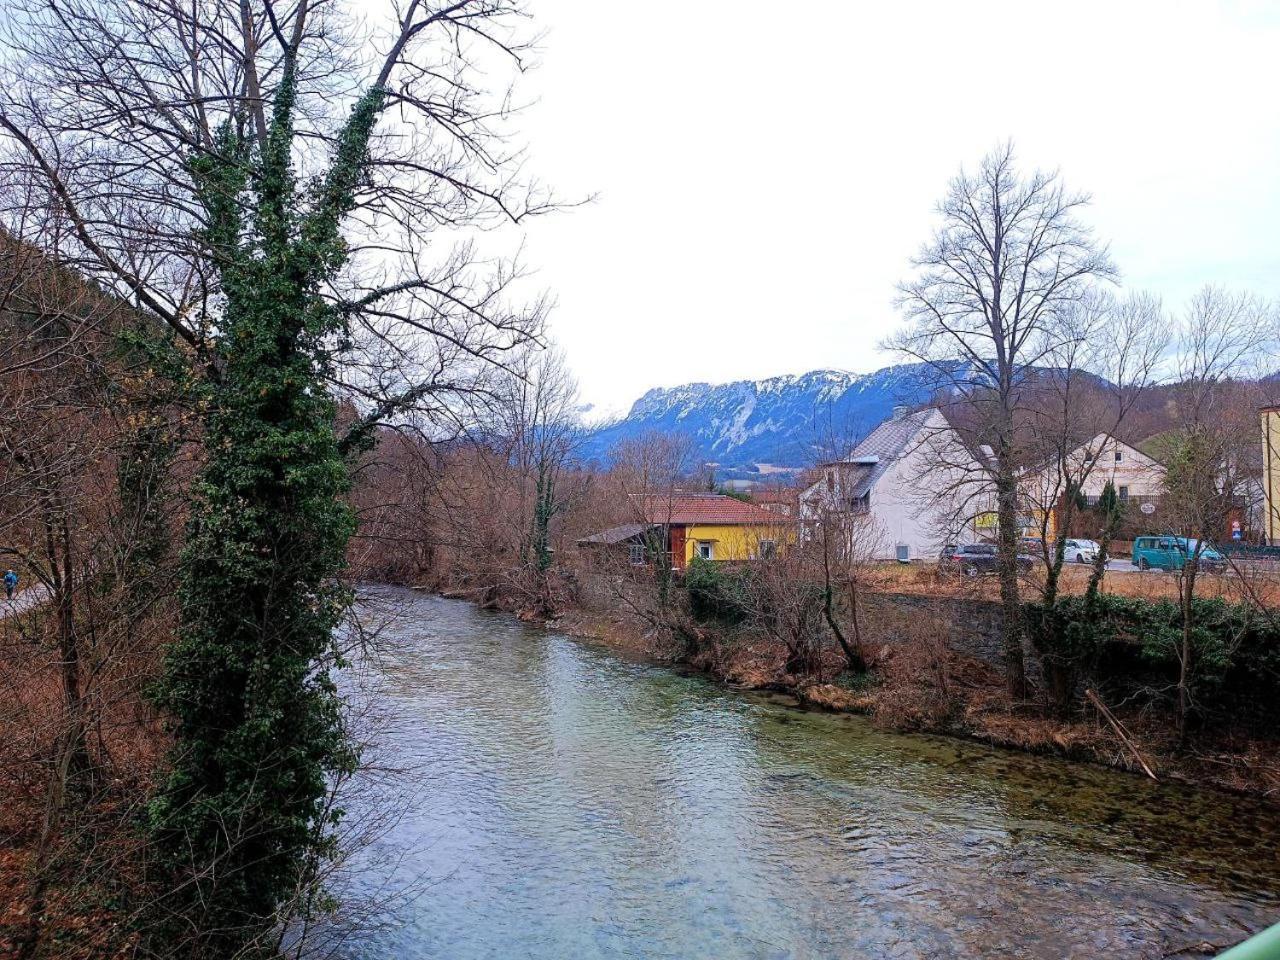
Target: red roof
x,y
685,509
775,495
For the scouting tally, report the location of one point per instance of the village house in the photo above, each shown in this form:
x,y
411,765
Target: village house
x,y
709,526
1137,477
906,486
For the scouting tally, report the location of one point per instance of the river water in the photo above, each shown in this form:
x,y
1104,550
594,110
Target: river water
x,y
557,801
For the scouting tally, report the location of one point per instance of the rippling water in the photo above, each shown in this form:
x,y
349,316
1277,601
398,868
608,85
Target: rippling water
x,y
562,802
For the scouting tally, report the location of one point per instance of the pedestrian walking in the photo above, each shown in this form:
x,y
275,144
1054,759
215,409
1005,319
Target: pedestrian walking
x,y
10,584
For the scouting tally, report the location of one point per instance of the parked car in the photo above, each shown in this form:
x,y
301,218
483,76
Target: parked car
x,y
974,559
1032,546
1080,551
1172,553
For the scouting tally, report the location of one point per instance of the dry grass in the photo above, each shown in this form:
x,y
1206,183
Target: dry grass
x,y
1234,585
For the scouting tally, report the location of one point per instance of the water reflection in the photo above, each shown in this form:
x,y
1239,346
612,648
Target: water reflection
x,y
568,803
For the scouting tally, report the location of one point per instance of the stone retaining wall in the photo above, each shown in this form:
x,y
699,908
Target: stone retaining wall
x,y
976,627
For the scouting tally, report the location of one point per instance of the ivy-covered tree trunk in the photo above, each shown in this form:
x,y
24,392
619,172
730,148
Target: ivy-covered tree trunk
x,y
256,717
538,553
1059,667
1066,514
1007,548
1112,511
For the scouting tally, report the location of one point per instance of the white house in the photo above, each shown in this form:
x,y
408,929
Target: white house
x,y
906,481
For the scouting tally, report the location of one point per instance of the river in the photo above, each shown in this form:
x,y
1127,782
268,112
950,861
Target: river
x,y
556,801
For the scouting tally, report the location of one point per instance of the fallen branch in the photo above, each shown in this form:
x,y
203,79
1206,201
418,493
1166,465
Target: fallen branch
x,y
1120,731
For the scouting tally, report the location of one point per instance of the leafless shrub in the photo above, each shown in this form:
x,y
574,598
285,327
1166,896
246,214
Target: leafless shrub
x,y
915,661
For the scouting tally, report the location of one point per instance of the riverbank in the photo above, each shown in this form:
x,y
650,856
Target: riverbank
x,y
929,688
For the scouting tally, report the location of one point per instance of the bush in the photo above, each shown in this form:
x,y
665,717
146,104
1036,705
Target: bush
x,y
716,594
1129,648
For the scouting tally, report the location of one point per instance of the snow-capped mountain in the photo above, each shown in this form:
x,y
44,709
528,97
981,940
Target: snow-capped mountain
x,y
782,421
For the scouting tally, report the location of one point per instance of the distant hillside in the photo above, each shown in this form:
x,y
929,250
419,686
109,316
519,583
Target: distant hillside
x,y
782,421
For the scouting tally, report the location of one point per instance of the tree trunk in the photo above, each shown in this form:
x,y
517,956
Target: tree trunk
x,y
1010,601
852,655
852,651
1054,575
58,550
1187,651
1100,562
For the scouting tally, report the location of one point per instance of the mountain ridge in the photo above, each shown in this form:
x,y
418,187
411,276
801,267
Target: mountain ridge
x,y
782,421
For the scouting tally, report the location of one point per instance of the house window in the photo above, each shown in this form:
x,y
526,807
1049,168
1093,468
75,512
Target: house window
x,y
636,553
768,549
1124,492
704,550
1119,455
831,481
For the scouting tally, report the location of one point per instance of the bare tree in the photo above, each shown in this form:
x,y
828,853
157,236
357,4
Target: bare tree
x,y
538,431
782,598
652,470
847,544
87,525
1077,407
1222,338
425,318
986,307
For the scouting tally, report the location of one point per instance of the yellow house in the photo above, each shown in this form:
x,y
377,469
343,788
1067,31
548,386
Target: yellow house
x,y
1271,473
715,527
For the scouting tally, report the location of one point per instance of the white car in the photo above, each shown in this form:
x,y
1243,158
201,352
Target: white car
x,y
1081,551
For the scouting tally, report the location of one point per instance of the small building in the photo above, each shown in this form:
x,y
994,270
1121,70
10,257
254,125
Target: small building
x,y
1138,479
715,527
710,526
634,538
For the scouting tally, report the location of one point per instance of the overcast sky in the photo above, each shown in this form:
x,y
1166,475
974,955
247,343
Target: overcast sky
x,y
765,171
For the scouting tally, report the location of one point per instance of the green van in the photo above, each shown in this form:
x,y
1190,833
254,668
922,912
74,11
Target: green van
x,y
1170,553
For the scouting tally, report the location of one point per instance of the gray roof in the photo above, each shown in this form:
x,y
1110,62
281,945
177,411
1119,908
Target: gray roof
x,y
857,477
889,441
616,535
879,450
